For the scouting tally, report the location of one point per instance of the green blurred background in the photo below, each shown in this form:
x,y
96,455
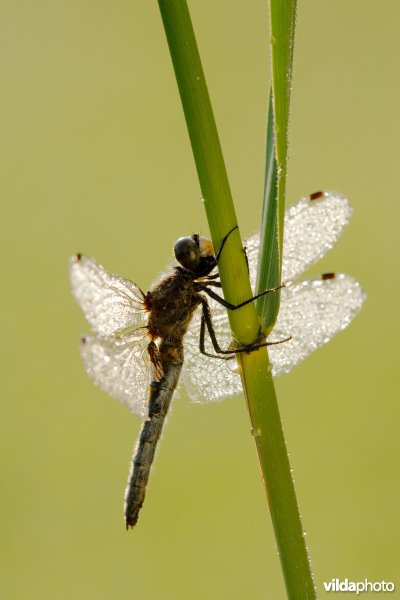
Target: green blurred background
x,y
95,158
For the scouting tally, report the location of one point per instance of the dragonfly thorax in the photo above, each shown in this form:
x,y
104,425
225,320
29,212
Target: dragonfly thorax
x,y
172,302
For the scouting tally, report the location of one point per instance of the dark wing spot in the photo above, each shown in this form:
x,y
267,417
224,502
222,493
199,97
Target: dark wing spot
x,y
316,195
325,276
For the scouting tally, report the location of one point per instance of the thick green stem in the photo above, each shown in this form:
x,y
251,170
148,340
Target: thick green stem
x,y
210,164
256,374
277,477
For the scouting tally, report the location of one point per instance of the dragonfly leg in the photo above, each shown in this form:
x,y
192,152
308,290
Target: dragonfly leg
x,y
206,321
213,283
155,360
230,306
253,347
218,255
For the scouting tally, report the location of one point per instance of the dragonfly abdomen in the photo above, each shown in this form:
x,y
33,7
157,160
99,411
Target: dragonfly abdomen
x,y
161,393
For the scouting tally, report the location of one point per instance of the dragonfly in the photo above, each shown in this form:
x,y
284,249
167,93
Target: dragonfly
x,y
136,351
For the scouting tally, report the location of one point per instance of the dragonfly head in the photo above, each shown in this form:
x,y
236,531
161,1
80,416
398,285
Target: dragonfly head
x,y
196,254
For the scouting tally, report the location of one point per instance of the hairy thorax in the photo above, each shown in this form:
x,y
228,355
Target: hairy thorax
x,y
171,303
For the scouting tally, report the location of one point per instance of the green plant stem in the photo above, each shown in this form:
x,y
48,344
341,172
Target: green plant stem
x,y
269,262
255,368
210,165
271,447
283,20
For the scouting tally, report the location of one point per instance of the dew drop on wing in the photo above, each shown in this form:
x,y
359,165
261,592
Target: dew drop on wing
x,y
311,229
209,379
109,302
310,325
120,368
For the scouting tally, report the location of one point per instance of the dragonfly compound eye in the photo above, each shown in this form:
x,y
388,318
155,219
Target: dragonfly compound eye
x,y
187,253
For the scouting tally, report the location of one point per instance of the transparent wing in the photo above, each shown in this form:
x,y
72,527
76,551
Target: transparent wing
x,y
312,312
311,229
120,367
209,379
109,302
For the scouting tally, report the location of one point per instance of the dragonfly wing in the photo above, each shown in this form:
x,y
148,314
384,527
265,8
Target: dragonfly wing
x,y
312,312
119,367
109,302
311,229
209,379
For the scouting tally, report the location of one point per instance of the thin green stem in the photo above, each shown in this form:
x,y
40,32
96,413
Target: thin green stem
x,y
255,368
283,21
268,271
